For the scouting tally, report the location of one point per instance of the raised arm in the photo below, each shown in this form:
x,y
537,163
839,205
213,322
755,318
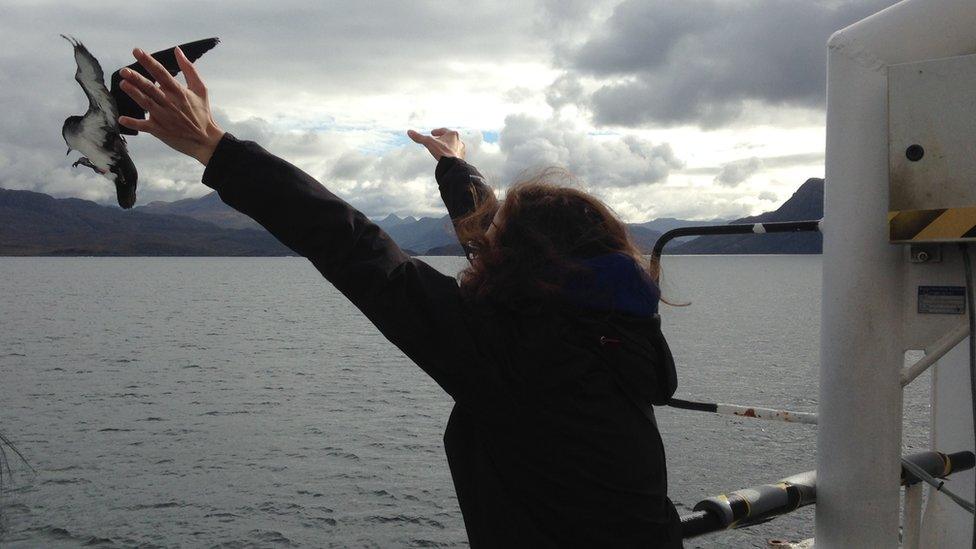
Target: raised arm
x,y
416,307
461,185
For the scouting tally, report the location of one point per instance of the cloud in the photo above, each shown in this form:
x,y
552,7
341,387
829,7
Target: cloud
x,y
681,201
332,86
525,144
299,46
790,160
702,62
529,143
768,196
400,164
738,171
284,74
519,94
566,90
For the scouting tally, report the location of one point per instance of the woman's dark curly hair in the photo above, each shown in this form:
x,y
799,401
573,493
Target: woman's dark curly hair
x,y
547,229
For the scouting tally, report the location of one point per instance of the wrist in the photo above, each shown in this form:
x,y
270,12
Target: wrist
x,y
444,165
206,149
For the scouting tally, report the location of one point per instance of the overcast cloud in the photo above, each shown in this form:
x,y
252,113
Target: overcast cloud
x,y
700,61
617,92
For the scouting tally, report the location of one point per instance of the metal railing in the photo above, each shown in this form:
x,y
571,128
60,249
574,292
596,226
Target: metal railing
x,y
737,228
763,503
759,504
757,412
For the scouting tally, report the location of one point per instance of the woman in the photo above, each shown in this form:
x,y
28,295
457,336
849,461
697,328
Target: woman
x,y
550,346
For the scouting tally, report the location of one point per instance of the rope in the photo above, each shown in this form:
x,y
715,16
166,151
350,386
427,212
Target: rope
x,y
939,485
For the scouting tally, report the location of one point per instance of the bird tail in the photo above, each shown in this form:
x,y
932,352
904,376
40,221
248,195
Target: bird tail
x,y
126,195
126,179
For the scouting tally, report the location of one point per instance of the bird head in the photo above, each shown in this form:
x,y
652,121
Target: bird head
x,y
72,125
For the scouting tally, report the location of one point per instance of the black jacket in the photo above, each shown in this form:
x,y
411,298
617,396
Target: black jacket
x,y
551,442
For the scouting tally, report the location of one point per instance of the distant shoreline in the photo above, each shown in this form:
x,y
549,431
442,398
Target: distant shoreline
x,y
34,224
116,256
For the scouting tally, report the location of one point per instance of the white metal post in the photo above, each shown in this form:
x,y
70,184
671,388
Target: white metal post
x,y
859,439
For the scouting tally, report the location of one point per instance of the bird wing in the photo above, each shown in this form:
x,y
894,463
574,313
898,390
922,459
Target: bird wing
x,y
166,58
89,74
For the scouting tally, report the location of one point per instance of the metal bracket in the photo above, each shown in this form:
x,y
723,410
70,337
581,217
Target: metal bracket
x,y
925,253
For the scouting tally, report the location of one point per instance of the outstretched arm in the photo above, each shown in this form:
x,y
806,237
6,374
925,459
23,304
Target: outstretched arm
x,y
417,308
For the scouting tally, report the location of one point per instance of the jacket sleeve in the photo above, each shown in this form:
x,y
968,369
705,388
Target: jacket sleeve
x,y
462,187
416,307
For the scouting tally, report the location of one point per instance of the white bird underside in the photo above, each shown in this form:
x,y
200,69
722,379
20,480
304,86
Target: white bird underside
x,y
90,142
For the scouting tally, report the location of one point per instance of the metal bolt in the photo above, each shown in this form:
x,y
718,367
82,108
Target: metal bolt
x,y
914,153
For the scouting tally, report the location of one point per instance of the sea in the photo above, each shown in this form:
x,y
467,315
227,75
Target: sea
x,y
244,402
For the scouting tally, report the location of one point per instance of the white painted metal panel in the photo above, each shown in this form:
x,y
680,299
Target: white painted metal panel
x,y
932,112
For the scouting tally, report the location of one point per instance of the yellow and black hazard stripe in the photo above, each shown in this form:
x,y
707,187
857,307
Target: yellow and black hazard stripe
x,y
938,225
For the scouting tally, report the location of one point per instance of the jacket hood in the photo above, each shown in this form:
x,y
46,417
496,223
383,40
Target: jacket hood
x,y
614,283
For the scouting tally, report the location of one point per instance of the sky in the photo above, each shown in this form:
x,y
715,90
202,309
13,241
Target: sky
x,y
696,109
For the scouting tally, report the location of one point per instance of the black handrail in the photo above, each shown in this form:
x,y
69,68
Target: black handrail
x,y
738,228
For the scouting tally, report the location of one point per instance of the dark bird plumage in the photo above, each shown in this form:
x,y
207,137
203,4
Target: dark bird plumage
x,y
98,134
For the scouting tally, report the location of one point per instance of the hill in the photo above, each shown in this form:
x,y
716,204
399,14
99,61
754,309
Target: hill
x,y
37,224
422,234
806,203
208,208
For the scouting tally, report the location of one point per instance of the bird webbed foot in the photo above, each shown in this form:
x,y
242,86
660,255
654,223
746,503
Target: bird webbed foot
x,y
84,161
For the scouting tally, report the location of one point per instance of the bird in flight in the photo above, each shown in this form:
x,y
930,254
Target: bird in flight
x,y
97,134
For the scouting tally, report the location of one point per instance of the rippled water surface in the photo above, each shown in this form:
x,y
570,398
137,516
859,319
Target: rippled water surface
x,y
245,403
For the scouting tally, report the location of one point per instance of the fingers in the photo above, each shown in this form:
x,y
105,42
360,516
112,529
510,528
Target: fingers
x,y
134,82
158,71
444,132
439,132
433,146
418,137
136,124
193,80
140,98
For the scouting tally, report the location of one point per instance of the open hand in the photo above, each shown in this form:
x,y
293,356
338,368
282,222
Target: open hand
x,y
441,142
178,115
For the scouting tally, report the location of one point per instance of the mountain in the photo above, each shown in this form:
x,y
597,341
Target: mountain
x,y
37,224
643,236
423,234
805,204
426,235
436,236
665,224
207,208
394,220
